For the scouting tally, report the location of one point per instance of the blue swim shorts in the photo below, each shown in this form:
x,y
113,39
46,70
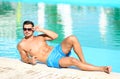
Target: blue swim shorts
x,y
54,57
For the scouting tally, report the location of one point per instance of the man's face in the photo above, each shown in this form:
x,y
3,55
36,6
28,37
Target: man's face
x,y
27,29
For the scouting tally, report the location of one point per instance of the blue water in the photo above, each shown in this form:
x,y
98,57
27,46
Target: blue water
x,y
113,3
97,26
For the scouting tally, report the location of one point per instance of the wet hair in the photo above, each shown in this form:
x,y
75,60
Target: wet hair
x,y
28,22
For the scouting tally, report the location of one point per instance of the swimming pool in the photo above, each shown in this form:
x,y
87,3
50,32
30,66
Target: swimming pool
x,y
97,28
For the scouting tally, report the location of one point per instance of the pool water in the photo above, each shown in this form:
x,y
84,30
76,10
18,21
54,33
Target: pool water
x,y
96,27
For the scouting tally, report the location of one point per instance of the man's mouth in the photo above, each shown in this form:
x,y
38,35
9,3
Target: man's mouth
x,y
26,33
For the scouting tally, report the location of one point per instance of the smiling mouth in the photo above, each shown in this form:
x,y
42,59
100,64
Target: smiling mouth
x,y
26,33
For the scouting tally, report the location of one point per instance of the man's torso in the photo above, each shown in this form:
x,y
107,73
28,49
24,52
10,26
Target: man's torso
x,y
37,47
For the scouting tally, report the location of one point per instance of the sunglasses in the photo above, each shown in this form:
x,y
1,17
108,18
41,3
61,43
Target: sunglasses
x,y
29,29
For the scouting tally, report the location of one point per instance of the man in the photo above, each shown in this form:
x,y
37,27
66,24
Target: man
x,y
34,48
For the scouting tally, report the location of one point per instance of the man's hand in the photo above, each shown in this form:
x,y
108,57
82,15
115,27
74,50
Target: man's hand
x,y
37,28
33,60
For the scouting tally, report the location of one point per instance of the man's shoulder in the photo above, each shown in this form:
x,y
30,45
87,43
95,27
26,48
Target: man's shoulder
x,y
21,43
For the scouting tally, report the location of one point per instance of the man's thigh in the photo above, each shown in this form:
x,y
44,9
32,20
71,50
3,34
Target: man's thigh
x,y
65,61
66,45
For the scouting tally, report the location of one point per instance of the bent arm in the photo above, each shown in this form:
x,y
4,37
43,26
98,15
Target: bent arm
x,y
24,56
50,34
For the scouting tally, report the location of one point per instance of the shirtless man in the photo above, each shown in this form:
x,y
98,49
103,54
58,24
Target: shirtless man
x,y
34,48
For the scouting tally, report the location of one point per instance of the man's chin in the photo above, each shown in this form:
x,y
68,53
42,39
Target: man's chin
x,y
27,36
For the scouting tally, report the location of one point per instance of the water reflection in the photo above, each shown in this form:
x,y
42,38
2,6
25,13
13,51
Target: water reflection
x,y
103,24
64,12
7,18
94,26
29,12
6,7
18,20
41,14
116,36
8,29
114,27
53,21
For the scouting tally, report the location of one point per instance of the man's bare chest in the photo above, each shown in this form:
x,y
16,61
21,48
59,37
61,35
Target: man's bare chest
x,y
35,46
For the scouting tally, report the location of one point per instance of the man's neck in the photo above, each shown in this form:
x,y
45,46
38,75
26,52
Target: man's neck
x,y
29,38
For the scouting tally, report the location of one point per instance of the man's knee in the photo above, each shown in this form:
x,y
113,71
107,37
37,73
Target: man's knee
x,y
72,37
73,60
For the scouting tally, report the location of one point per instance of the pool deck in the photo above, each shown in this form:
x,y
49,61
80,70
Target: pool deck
x,y
15,69
113,3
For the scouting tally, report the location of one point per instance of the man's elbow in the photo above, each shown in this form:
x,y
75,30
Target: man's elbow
x,y
55,36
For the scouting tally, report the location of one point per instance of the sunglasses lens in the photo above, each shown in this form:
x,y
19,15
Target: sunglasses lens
x,y
29,29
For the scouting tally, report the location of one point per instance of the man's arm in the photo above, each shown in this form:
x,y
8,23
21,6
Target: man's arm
x,y
49,35
24,56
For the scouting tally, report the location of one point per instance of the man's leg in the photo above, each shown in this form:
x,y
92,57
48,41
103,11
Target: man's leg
x,y
72,42
70,61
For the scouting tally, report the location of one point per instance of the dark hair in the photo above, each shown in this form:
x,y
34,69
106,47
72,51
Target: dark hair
x,y
28,22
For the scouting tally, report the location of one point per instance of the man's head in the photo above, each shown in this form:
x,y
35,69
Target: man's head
x,y
28,28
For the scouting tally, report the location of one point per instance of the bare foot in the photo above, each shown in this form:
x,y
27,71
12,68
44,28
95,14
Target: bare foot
x,y
107,69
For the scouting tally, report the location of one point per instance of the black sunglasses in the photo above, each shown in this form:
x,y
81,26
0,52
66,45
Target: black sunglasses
x,y
29,29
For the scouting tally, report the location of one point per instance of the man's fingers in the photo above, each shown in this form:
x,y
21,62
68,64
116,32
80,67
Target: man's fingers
x,y
33,29
34,57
